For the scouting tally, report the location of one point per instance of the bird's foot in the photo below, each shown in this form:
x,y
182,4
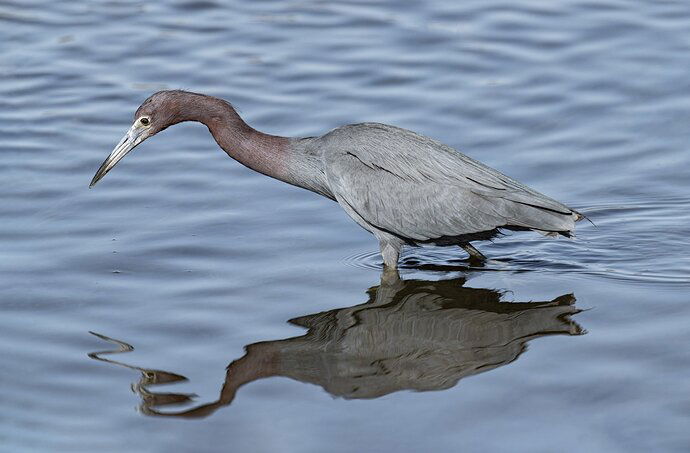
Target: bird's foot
x,y
476,257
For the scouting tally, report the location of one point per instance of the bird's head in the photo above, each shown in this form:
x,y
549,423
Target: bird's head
x,y
159,111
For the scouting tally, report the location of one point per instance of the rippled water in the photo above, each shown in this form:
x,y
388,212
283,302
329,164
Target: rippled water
x,y
184,263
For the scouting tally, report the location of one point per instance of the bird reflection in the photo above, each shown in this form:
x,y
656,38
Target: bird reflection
x,y
410,335
148,377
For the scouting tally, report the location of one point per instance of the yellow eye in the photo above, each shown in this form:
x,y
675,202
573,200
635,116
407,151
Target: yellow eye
x,y
144,121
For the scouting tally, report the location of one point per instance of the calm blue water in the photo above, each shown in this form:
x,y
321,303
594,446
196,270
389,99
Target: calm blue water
x,y
191,263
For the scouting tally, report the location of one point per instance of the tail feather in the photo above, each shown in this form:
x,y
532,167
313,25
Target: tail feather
x,y
545,221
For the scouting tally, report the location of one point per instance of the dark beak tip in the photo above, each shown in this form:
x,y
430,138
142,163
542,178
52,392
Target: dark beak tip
x,y
127,144
97,177
100,173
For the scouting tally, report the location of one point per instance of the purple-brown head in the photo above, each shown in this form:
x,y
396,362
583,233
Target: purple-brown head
x,y
159,111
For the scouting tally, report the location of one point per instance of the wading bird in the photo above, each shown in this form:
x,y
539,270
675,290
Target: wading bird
x,y
404,188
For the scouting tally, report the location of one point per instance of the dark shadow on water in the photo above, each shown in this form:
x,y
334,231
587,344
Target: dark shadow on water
x,y
410,335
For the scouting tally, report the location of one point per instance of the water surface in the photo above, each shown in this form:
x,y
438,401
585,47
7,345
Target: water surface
x,y
234,312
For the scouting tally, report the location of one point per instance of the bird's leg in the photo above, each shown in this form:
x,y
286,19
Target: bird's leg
x,y
390,278
475,255
390,251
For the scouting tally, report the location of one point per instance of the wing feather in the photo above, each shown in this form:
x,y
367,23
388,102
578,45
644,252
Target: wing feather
x,y
420,189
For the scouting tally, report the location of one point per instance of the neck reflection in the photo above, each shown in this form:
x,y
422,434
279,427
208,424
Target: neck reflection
x,y
410,335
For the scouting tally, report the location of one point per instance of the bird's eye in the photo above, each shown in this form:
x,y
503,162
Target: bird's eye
x,y
144,121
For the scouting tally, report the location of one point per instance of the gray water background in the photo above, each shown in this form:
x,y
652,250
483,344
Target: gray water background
x,y
189,257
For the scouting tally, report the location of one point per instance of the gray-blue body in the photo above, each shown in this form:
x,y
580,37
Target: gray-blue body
x,y
406,188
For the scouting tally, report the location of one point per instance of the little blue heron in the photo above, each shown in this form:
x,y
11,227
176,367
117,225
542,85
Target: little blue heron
x,y
404,188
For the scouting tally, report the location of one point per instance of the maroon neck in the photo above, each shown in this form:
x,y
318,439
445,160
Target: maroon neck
x,y
294,161
261,152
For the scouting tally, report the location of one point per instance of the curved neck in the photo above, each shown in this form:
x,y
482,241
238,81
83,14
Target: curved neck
x,y
261,152
292,160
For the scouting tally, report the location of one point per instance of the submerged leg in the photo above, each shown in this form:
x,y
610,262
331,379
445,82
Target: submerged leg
x,y
475,255
390,280
390,251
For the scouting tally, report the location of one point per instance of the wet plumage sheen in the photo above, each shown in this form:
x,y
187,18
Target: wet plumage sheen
x,y
402,187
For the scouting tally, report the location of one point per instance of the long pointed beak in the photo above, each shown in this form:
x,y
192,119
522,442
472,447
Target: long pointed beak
x,y
133,137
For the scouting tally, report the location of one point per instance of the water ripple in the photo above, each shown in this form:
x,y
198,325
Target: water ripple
x,y
586,101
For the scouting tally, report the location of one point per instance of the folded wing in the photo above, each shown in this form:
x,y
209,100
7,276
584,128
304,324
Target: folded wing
x,y
421,190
